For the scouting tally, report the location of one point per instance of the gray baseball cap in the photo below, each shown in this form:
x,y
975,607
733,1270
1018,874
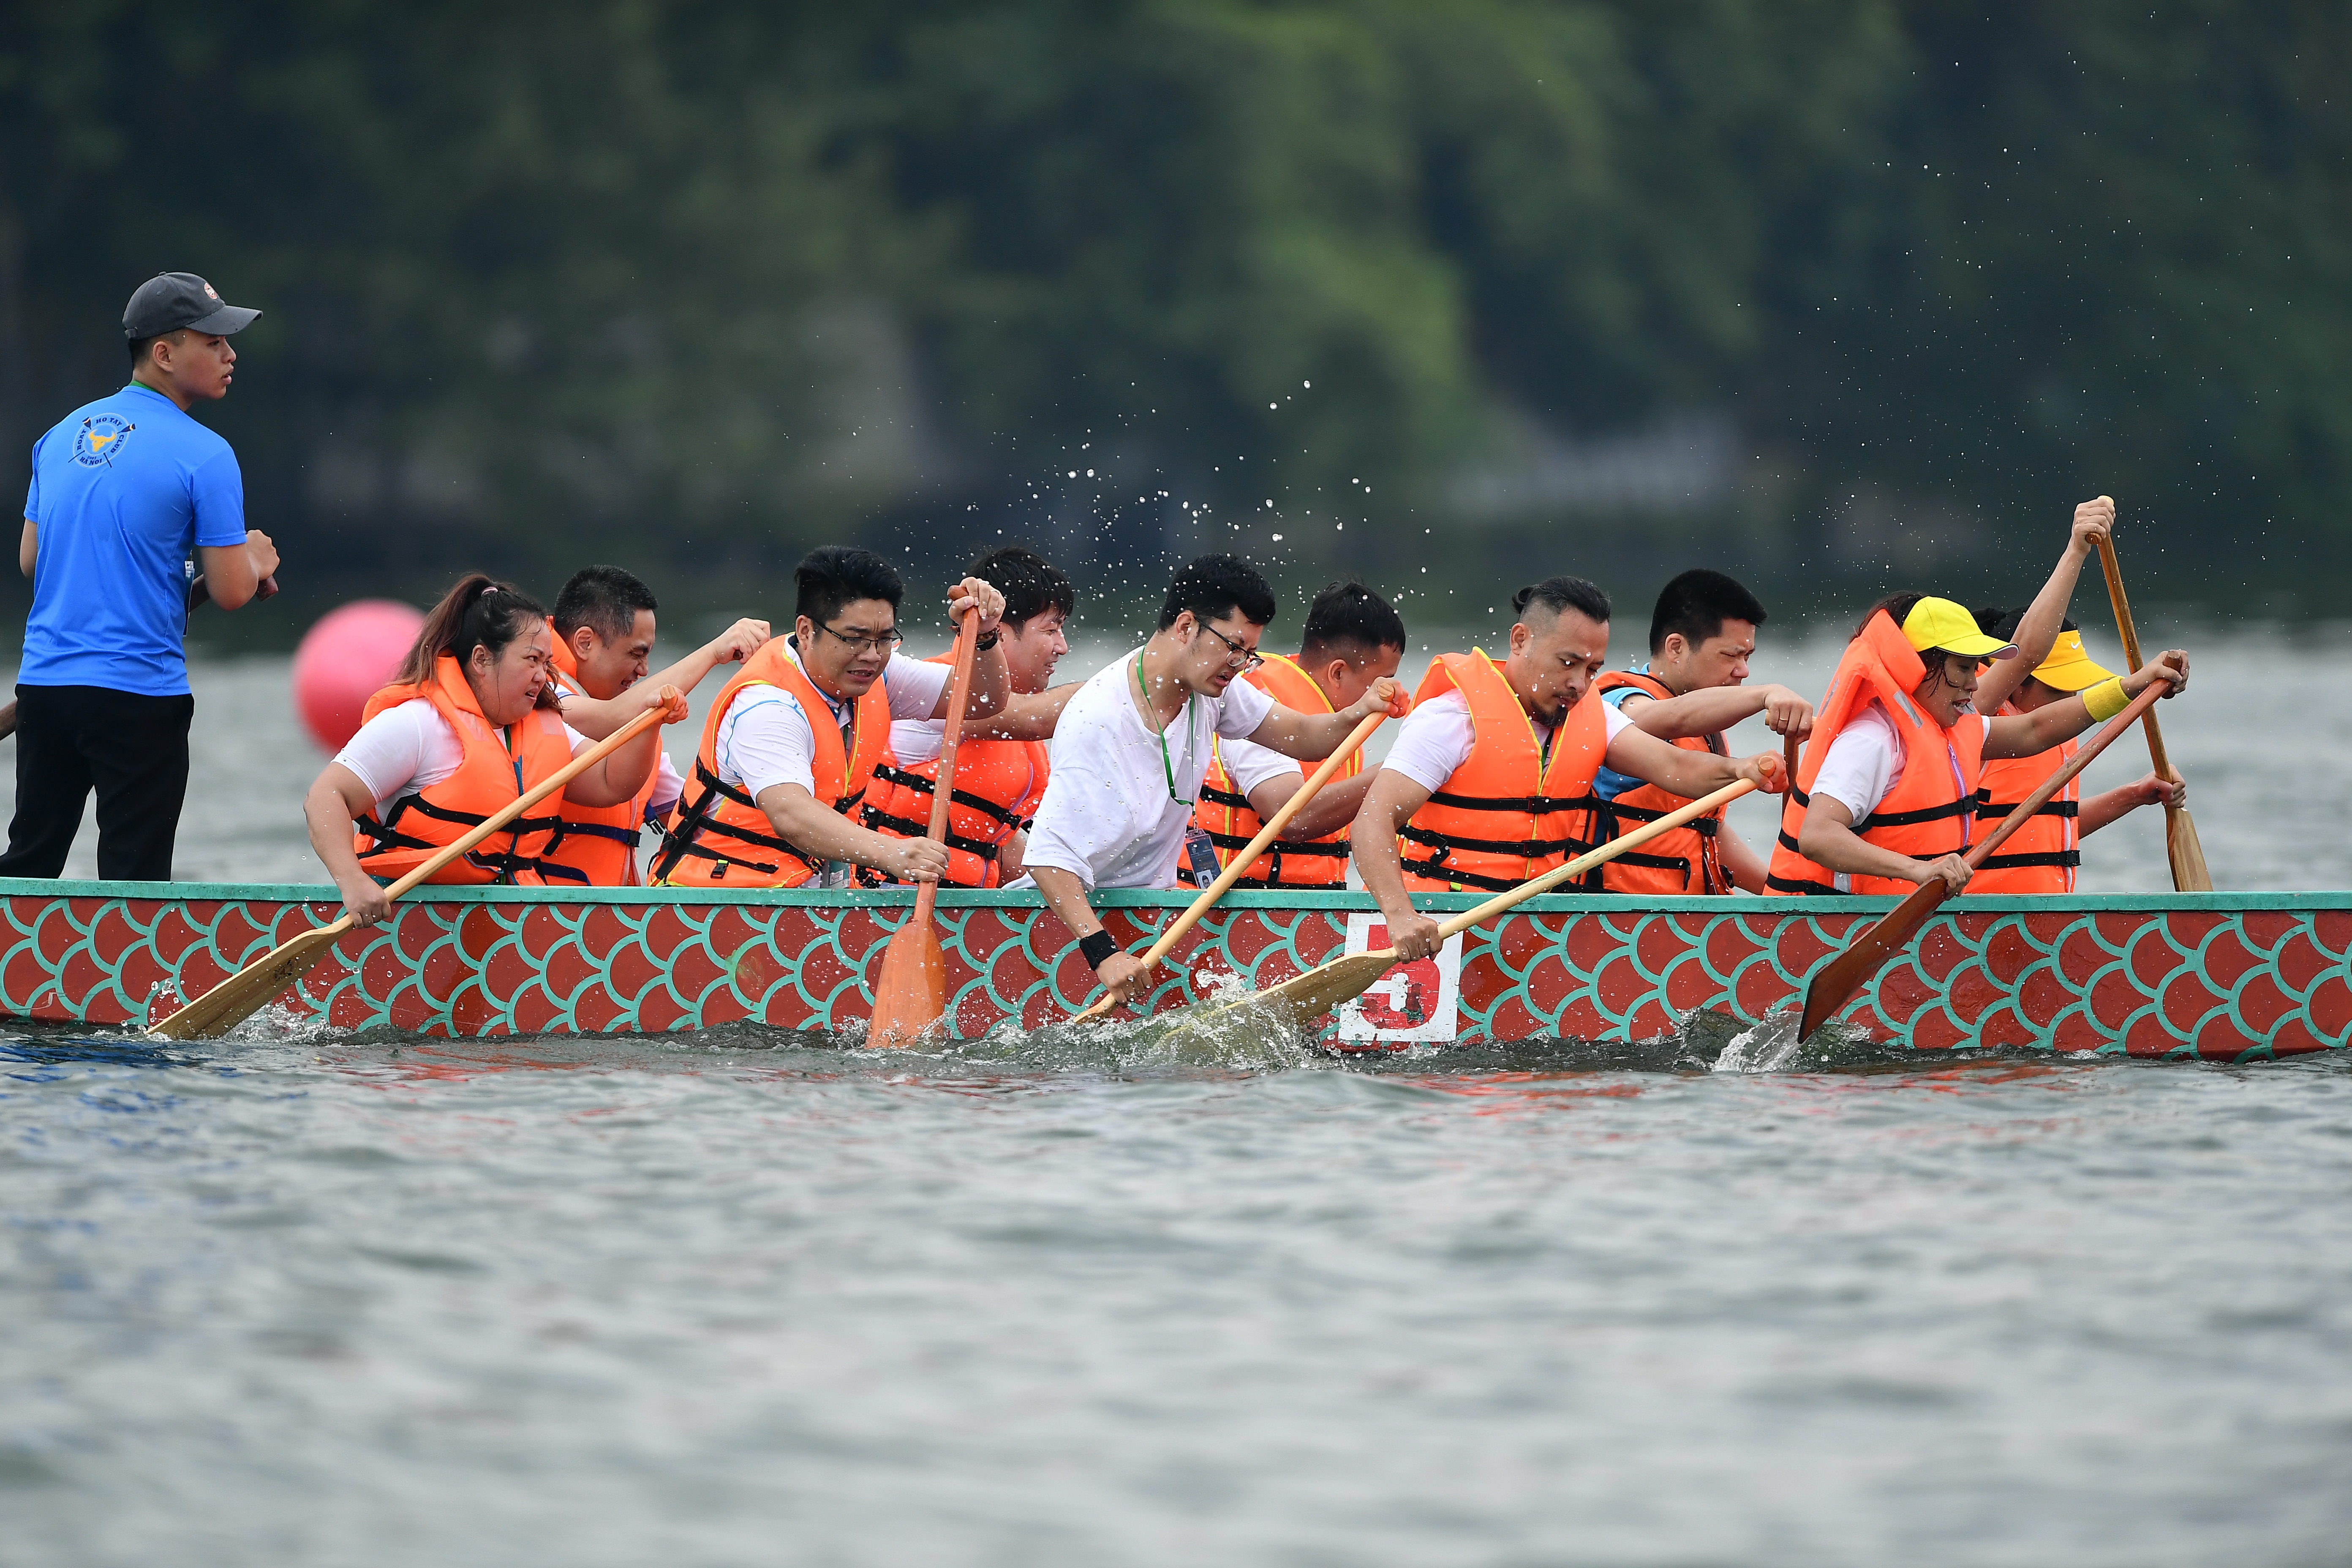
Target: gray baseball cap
x,y
171,300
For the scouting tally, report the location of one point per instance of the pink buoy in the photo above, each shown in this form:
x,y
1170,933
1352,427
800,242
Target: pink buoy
x,y
350,655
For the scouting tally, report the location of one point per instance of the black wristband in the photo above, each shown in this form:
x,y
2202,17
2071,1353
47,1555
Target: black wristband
x,y
987,639
1096,948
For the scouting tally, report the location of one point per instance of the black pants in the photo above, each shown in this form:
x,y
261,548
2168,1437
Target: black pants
x,y
132,750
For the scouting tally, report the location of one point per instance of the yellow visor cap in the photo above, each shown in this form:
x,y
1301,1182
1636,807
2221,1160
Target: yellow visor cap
x,y
2069,666
1939,623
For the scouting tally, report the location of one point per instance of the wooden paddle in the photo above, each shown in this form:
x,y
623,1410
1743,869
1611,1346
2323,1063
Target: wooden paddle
x,y
1326,987
910,989
197,595
1846,975
2180,845
246,992
1250,852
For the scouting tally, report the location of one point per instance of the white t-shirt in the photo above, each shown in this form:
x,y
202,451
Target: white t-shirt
x,y
765,739
410,748
1436,737
667,785
1866,763
917,741
1107,817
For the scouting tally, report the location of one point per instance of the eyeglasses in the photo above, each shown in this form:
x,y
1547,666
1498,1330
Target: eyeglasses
x,y
1235,654
880,642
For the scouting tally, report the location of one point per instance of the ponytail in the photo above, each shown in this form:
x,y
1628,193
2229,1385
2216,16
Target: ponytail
x,y
480,612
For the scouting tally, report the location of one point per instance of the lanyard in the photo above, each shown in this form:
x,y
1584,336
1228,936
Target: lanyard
x,y
1160,731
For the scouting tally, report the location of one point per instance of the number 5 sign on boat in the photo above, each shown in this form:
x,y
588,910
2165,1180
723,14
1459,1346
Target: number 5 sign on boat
x,y
1411,1002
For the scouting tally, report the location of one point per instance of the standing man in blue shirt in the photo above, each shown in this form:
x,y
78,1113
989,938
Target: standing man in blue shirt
x,y
124,492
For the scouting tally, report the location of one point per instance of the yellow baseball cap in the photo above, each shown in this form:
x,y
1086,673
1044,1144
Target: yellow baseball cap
x,y
1939,623
2069,666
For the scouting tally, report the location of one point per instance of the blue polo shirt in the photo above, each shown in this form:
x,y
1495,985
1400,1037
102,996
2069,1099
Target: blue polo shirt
x,y
124,490
1608,782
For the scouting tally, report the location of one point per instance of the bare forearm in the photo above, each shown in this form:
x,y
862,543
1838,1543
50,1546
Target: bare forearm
x,y
1834,845
28,547
688,672
1030,717
1066,896
1308,737
820,832
1334,807
329,820
992,687
1745,868
616,779
2035,633
2102,810
1373,841
230,574
1696,714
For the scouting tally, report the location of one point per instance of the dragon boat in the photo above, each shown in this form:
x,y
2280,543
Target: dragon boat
x,y
2226,976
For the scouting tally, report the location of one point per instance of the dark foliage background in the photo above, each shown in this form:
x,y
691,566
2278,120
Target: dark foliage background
x,y
1839,293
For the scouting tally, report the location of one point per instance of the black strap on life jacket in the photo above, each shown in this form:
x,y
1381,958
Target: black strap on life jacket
x,y
502,865
1227,798
2058,809
1436,869
922,786
1963,807
696,822
2069,858
881,821
1780,884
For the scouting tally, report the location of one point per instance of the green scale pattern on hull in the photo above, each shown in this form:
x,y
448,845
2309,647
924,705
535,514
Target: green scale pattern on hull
x,y
2226,976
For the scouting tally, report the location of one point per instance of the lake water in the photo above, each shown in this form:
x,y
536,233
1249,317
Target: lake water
x,y
745,1297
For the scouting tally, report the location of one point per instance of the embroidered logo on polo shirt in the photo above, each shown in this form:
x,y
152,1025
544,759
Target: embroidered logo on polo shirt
x,y
101,439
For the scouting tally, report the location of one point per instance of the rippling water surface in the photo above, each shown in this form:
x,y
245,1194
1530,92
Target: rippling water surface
x,y
748,1297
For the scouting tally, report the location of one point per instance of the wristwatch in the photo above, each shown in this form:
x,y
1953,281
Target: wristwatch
x,y
987,639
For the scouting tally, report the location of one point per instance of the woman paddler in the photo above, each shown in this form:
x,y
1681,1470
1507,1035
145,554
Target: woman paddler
x,y
2045,854
468,727
1888,786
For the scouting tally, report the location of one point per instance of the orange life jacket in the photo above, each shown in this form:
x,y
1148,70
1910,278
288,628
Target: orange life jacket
x,y
493,773
1682,859
998,784
1508,812
2045,854
722,838
1231,822
599,841
1929,812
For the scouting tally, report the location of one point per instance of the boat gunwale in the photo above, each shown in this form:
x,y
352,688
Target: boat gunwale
x,y
1140,898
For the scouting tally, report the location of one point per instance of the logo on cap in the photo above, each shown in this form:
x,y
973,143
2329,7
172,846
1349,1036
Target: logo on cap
x,y
100,439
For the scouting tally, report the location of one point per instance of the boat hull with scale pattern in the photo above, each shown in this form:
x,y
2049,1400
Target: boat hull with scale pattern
x,y
2222,976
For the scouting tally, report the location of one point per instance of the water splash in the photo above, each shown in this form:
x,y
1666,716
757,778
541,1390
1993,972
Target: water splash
x,y
1770,1045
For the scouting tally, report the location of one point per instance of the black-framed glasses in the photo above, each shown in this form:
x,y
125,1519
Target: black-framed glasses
x,y
1234,653
880,642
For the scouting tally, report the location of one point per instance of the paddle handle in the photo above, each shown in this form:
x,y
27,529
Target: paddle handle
x,y
2039,796
2130,634
1585,862
1240,863
531,798
927,894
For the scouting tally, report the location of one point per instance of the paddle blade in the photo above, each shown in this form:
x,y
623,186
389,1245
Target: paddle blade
x,y
2187,856
1850,970
250,989
911,993
1310,996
